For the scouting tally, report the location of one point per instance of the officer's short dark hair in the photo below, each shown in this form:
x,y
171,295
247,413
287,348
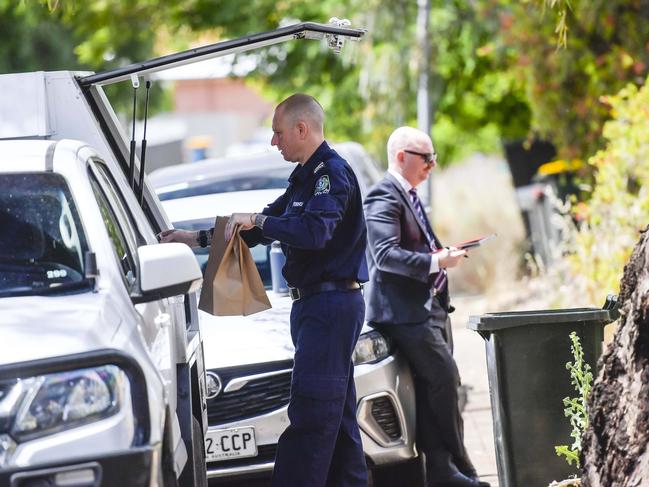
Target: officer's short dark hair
x,y
301,106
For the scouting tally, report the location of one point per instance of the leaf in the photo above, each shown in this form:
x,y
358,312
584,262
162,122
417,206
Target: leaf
x,y
570,455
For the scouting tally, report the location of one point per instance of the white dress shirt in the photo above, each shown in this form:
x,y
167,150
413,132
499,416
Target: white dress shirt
x,y
434,259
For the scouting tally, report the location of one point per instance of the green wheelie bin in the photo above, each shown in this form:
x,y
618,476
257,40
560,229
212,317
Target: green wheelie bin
x,y
527,352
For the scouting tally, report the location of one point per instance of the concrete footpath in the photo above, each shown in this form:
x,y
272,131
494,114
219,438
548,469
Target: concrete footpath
x,y
470,357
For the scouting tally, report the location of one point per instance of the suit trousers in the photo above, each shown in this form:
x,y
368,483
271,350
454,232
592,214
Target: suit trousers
x,y
322,445
440,428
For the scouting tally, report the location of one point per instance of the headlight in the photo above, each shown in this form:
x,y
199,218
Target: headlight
x,y
60,401
371,347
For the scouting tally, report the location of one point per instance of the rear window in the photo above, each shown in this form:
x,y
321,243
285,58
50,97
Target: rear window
x,y
42,243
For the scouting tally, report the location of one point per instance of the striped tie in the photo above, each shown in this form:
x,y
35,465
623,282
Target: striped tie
x,y
440,279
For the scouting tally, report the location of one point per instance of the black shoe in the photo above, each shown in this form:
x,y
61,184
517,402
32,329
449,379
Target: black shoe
x,y
459,480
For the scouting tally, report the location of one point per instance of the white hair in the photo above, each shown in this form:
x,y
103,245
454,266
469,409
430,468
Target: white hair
x,y
401,139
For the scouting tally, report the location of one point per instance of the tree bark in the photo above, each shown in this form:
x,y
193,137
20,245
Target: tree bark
x,y
615,444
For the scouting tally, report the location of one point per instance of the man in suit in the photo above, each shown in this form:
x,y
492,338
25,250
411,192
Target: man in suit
x,y
407,299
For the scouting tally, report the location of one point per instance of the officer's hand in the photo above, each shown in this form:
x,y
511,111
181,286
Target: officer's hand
x,y
450,257
181,236
243,221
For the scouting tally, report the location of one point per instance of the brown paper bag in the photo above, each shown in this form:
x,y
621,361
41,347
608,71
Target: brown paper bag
x,y
232,284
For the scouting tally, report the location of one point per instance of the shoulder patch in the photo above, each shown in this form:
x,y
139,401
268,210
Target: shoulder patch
x,y
318,167
322,186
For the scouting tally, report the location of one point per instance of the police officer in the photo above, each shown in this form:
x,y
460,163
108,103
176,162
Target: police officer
x,y
319,221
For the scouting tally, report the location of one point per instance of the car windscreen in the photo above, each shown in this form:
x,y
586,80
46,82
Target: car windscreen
x,y
42,243
268,180
260,253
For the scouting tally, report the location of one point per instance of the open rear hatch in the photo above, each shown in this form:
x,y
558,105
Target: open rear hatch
x,y
334,34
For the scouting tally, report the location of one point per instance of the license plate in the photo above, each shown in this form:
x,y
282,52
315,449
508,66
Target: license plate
x,y
231,443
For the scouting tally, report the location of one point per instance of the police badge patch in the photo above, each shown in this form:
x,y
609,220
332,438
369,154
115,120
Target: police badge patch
x,y
322,186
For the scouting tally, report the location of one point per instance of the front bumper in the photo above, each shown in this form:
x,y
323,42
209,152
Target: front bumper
x,y
386,416
134,467
385,393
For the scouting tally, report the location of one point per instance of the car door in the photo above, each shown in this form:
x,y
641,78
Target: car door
x,y
155,317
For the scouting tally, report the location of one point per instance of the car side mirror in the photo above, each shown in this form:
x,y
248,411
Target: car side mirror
x,y
167,269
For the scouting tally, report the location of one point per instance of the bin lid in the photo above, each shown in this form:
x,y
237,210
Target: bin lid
x,y
511,319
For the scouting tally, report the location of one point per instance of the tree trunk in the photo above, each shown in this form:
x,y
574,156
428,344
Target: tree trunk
x,y
615,444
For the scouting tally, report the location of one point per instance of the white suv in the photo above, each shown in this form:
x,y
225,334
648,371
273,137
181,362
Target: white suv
x,y
89,312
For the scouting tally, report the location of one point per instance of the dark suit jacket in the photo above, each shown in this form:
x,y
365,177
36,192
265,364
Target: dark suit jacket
x,y
400,286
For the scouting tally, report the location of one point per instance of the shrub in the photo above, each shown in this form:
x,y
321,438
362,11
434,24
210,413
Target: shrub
x,y
591,258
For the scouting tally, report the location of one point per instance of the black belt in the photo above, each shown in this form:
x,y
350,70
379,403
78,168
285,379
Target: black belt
x,y
303,292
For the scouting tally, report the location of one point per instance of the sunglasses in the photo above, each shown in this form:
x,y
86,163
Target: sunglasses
x,y
428,157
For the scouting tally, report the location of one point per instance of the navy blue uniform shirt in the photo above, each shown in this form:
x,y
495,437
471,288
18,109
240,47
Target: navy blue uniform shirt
x,y
319,221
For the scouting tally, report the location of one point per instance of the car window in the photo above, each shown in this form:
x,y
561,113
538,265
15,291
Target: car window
x,y
268,180
250,174
112,188
119,233
42,242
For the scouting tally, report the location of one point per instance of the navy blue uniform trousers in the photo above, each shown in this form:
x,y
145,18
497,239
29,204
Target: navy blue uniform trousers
x,y
322,445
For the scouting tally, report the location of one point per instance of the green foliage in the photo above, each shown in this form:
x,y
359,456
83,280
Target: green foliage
x,y
367,91
598,235
477,100
371,88
495,70
606,49
474,101
575,407
569,454
618,208
93,36
561,29
32,40
113,33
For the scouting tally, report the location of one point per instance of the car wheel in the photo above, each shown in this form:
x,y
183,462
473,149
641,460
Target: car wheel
x,y
410,473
